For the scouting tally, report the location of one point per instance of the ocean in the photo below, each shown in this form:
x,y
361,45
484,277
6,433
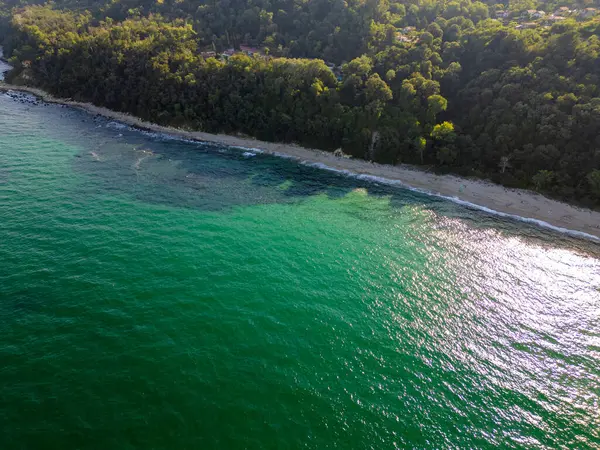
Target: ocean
x,y
163,294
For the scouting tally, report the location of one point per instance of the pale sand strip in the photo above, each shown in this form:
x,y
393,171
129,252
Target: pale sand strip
x,y
514,202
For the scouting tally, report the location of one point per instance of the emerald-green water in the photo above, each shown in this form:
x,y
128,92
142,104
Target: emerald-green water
x,y
157,294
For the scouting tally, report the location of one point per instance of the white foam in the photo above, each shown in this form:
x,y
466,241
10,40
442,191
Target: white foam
x,y
332,169
118,126
151,134
248,154
387,181
286,156
166,136
136,166
247,149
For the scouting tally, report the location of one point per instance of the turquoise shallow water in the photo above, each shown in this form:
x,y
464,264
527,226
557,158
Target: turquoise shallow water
x,y
159,294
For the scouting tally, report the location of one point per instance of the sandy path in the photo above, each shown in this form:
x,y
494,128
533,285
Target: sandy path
x,y
513,202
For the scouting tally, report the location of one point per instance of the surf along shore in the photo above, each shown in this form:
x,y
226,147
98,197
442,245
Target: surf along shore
x,y
519,204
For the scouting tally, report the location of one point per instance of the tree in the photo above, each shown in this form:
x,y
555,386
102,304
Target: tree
x,y
377,90
436,104
593,179
426,38
444,137
435,30
359,66
443,132
420,145
504,163
543,179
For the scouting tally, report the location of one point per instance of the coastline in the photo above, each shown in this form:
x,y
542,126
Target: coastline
x,y
4,65
519,204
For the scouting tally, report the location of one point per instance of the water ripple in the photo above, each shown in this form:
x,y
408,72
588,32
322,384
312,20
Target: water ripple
x,y
163,294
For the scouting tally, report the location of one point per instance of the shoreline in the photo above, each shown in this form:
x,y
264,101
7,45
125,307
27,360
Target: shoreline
x,y
523,205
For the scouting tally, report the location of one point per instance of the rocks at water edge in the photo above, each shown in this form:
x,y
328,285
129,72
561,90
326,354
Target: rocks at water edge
x,y
23,97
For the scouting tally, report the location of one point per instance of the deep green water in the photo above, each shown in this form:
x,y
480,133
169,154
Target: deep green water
x,y
157,294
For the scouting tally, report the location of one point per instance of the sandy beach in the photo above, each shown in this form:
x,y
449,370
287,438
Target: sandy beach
x,y
521,204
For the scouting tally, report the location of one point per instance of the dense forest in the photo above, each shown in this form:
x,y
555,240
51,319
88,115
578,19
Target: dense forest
x,y
508,92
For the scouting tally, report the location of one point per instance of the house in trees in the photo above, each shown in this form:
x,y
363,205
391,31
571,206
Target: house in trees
x,y
553,18
535,14
407,35
208,54
588,12
404,38
526,26
226,54
337,70
250,51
